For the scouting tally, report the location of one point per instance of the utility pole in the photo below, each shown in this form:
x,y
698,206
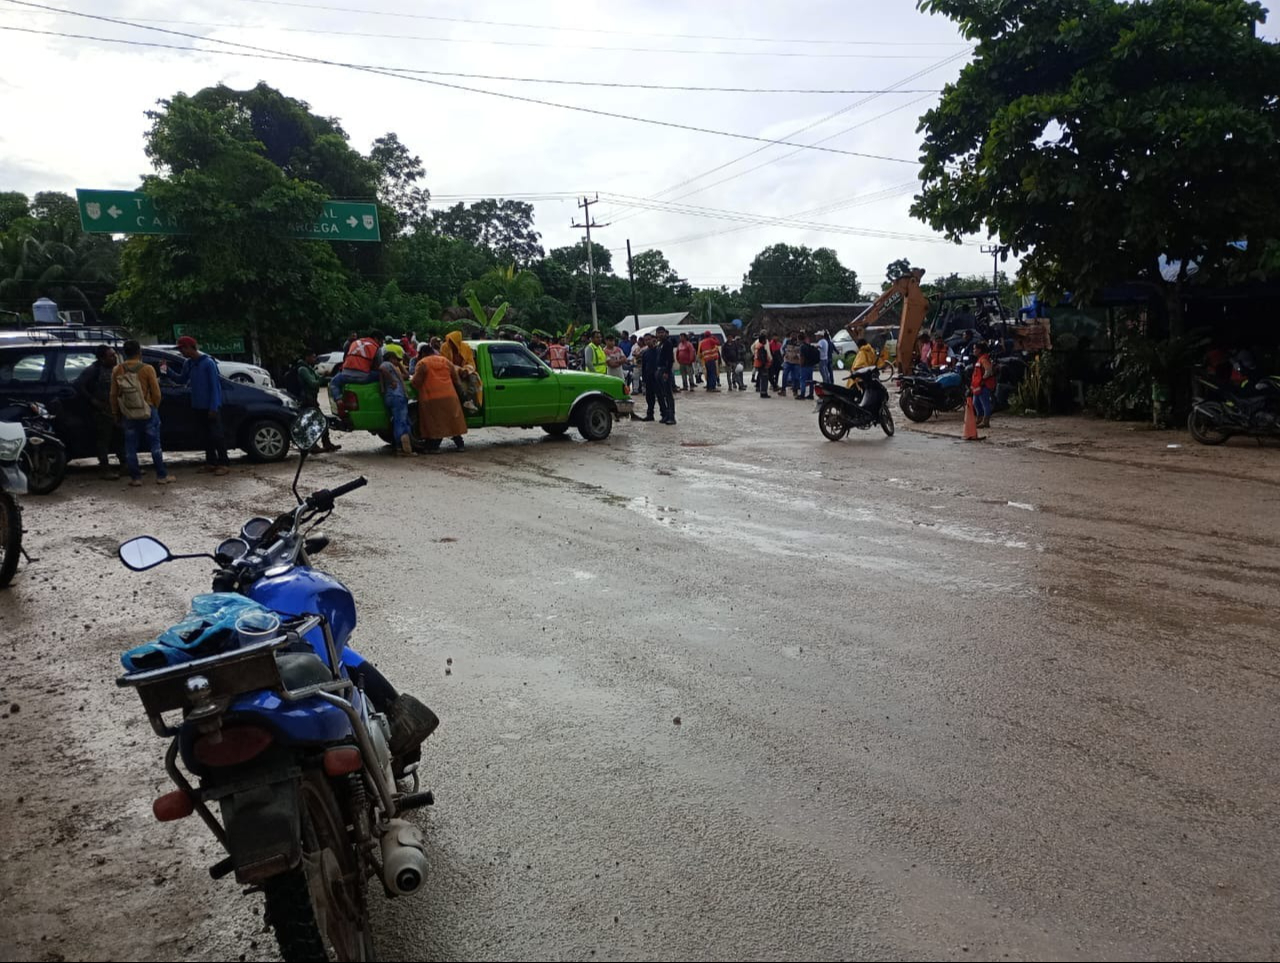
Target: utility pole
x,y
585,206
995,251
635,311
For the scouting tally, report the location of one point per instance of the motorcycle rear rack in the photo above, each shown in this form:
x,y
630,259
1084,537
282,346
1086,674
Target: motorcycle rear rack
x,y
252,668
203,688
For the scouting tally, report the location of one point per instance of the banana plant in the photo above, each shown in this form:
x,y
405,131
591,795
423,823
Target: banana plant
x,y
491,324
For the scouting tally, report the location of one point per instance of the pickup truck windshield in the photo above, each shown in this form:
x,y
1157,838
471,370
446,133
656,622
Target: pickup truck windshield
x,y
514,361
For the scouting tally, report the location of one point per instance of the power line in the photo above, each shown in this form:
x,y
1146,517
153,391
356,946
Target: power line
x,y
859,103
531,43
628,33
475,90
450,73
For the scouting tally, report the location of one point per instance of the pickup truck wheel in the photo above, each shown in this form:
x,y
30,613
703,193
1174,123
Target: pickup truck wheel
x,y
595,421
556,430
267,440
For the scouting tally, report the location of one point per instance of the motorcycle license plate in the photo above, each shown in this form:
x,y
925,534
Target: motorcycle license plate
x,y
12,479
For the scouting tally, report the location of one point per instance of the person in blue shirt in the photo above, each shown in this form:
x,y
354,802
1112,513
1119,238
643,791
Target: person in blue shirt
x,y
200,372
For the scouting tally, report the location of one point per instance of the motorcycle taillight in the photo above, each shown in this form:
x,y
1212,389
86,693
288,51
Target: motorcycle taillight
x,y
232,745
350,401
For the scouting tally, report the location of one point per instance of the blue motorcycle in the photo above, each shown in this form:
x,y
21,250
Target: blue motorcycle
x,y
290,732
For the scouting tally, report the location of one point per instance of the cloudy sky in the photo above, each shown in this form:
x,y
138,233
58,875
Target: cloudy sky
x,y
73,108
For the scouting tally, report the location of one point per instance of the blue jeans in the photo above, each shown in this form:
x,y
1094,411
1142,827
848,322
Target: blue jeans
x,y
788,375
148,429
806,381
827,376
982,403
713,379
349,377
398,406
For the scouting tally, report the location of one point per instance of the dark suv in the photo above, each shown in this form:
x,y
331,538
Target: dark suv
x,y
256,419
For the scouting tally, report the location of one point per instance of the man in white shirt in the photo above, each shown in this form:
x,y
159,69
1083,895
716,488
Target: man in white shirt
x,y
824,358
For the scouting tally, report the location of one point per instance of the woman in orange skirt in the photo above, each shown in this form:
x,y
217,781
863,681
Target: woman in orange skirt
x,y
437,380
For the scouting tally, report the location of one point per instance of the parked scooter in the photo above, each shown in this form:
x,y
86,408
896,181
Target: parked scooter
x,y
13,482
861,405
1252,409
277,728
44,457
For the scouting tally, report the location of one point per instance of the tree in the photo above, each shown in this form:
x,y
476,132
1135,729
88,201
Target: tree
x,y
1093,136
47,255
13,205
791,274
897,269
439,267
237,270
504,227
658,287
516,285
574,258
57,208
399,172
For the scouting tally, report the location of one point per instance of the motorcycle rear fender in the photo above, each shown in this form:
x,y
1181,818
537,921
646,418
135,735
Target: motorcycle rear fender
x,y
263,827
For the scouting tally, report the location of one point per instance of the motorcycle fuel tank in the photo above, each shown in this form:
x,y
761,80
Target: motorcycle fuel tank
x,y
305,591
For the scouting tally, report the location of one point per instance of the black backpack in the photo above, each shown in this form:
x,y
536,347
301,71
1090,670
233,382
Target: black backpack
x,y
293,381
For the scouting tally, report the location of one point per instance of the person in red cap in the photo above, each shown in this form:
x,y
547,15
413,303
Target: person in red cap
x,y
709,354
200,372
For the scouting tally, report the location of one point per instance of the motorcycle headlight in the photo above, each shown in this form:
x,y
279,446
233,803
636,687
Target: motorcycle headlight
x,y
10,447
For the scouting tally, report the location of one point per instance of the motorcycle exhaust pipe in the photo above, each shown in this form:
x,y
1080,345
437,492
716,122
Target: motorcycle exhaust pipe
x,y
404,858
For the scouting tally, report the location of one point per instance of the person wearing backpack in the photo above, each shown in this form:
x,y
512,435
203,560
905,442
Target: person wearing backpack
x,y
135,404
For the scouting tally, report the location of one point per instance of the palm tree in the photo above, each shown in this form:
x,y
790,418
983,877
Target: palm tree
x,y
55,262
519,286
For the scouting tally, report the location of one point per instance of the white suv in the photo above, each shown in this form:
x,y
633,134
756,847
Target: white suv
x,y
237,371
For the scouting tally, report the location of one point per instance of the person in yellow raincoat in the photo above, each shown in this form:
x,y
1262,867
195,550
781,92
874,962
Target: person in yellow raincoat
x,y
456,350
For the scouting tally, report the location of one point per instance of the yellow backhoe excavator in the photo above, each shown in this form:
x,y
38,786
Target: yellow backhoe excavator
x,y
914,308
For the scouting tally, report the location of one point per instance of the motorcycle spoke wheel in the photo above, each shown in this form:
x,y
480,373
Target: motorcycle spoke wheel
x,y
318,910
831,422
1204,429
886,419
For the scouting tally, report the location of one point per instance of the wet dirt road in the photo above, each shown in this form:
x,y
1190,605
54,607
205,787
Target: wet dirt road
x,y
722,691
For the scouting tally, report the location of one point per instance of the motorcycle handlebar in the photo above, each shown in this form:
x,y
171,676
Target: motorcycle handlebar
x,y
324,498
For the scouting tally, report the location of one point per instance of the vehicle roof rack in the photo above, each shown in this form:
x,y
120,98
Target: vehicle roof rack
x,y
76,332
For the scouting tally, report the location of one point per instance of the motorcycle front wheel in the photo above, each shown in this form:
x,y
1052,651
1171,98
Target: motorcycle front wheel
x,y
886,419
318,910
45,466
831,421
1205,429
10,537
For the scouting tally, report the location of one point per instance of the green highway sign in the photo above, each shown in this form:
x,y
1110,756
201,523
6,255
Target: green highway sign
x,y
123,212
132,212
341,221
216,344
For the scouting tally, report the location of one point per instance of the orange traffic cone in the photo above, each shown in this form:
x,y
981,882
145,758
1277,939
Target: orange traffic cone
x,y
970,421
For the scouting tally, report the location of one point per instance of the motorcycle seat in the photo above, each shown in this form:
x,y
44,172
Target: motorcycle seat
x,y
301,669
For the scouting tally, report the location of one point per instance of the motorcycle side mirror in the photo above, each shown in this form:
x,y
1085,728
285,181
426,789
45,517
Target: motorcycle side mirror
x,y
142,553
306,430
840,363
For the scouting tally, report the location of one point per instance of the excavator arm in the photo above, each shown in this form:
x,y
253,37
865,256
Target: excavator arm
x,y
914,308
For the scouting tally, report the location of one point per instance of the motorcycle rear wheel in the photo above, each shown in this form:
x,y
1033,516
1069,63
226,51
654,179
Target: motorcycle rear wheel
x,y
915,409
1204,429
317,912
45,466
831,422
10,537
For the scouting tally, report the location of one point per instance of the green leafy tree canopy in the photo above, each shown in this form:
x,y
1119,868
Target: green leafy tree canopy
x,y
1093,136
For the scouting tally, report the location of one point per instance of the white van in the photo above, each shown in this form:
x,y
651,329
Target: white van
x,y
694,331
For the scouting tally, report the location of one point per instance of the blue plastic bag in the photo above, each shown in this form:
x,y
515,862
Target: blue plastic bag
x,y
209,628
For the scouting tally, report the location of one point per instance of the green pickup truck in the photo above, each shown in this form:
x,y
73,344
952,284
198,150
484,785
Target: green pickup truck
x,y
520,391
